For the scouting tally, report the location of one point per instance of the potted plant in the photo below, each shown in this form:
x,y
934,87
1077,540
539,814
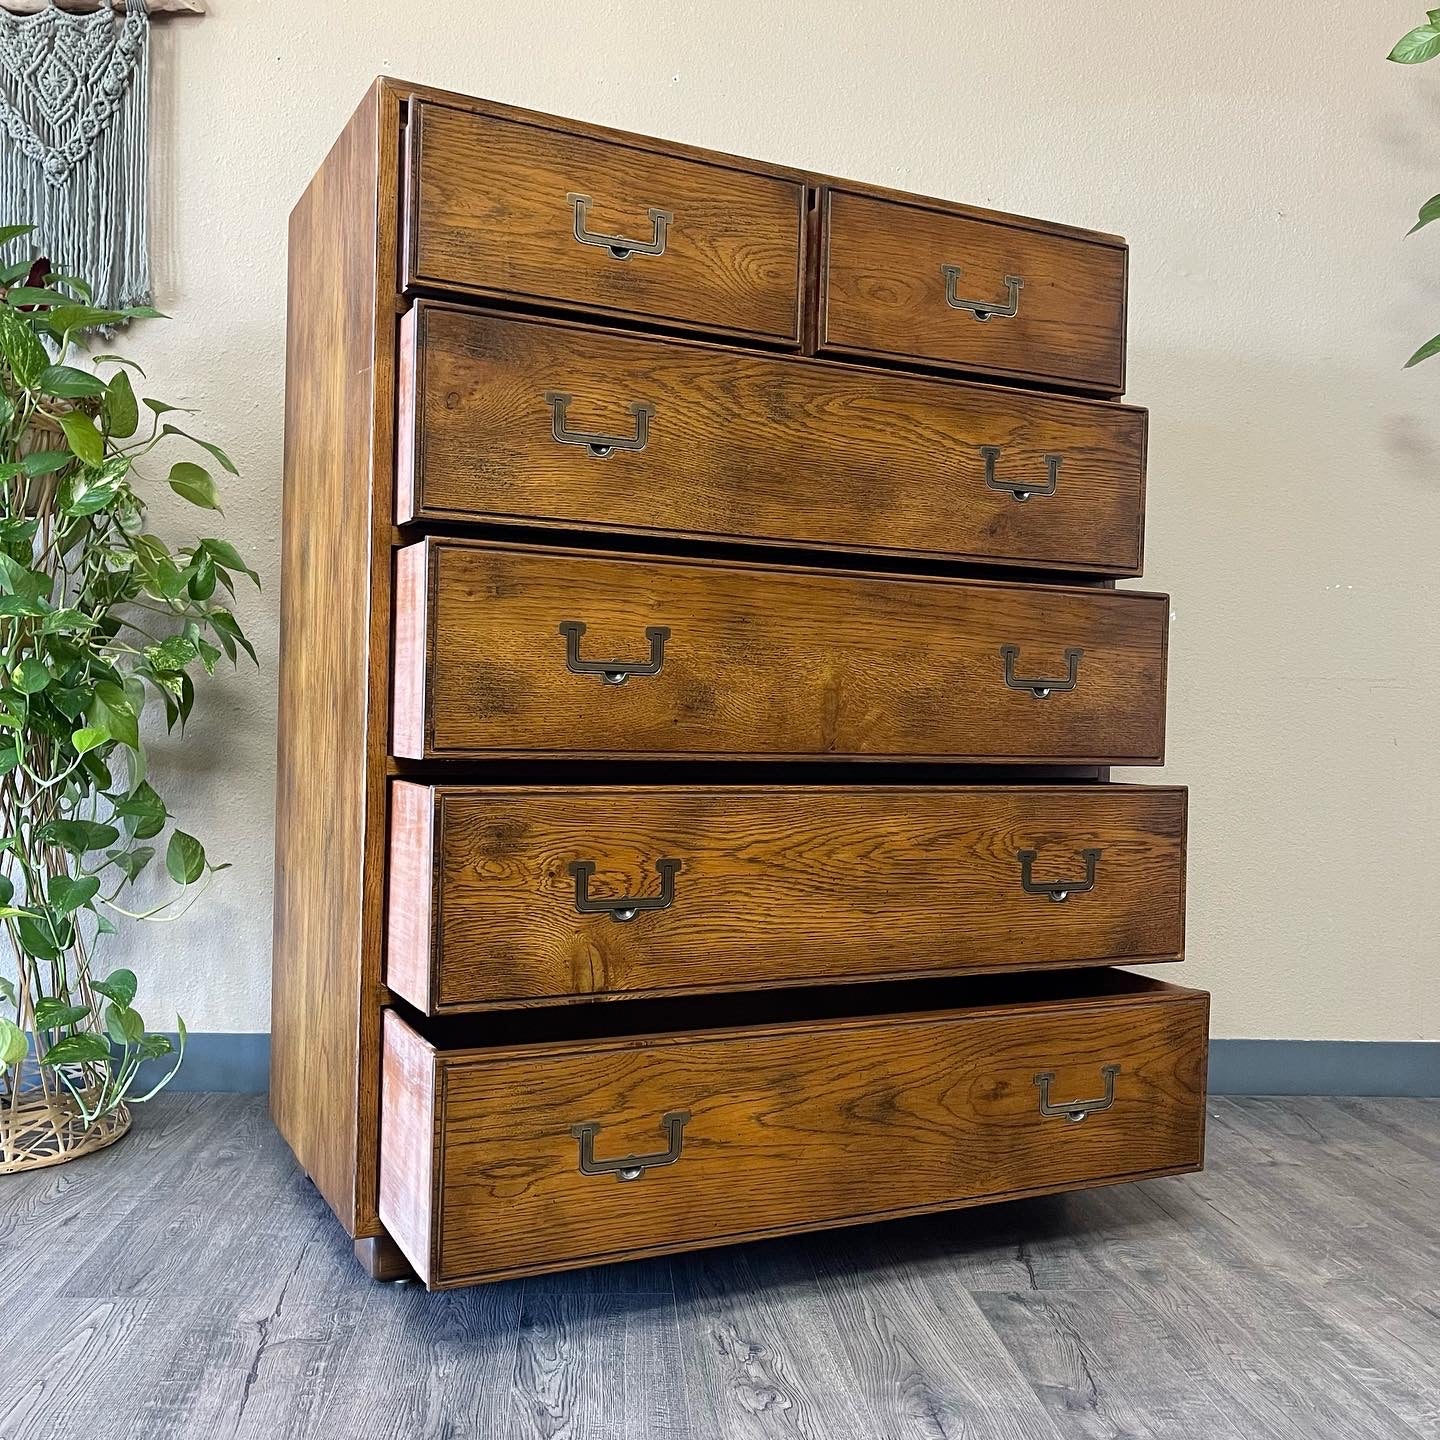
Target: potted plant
x,y
98,617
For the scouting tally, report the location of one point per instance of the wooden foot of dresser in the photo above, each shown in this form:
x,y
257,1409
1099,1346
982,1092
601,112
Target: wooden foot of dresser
x,y
699,598
383,1259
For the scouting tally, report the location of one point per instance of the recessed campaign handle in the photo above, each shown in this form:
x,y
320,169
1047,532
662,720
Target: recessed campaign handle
x,y
613,672
1020,489
623,907
983,309
1076,1110
1041,689
631,1167
617,245
600,445
1058,890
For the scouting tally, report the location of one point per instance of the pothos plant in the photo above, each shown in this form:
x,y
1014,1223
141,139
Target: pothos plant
x,y
1417,45
99,617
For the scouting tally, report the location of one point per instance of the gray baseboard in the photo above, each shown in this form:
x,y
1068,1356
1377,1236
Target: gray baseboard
x,y
219,1061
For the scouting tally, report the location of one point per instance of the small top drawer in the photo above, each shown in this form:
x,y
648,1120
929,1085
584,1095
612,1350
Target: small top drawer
x,y
934,285
501,207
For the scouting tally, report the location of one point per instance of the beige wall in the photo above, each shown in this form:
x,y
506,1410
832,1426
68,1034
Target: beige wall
x,y
1264,170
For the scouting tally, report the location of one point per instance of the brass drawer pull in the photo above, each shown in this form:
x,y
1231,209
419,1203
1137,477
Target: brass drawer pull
x,y
1058,890
1076,1110
602,447
1041,689
631,1167
1020,489
623,907
613,672
618,245
983,309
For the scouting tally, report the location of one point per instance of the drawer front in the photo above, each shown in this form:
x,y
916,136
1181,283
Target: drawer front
x,y
504,650
495,1164
505,208
909,282
540,423
501,895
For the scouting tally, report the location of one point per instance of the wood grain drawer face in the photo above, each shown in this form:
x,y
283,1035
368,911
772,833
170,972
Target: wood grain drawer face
x,y
493,211
788,1127
775,886
887,293
755,660
757,448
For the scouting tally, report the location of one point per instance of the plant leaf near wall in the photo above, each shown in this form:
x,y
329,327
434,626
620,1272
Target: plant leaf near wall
x,y
100,620
1420,44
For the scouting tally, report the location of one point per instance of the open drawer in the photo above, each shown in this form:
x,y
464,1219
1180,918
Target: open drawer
x,y
595,1134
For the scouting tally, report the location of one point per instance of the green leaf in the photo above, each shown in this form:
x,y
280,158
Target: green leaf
x,y
30,676
16,579
14,232
45,462
67,894
1429,348
84,439
184,858
1422,43
131,862
52,1014
23,296
82,317
78,836
7,988
22,349
68,383
152,1047
111,711
14,1043
226,463
122,411
143,812
1429,211
118,985
36,939
88,737
195,484
7,894
228,629
118,360
73,282
161,408
172,654
202,580
74,1048
224,554
123,1025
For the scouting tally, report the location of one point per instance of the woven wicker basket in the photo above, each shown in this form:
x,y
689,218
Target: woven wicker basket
x,y
41,1123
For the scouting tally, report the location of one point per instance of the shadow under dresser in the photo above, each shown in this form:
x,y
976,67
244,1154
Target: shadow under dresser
x,y
701,672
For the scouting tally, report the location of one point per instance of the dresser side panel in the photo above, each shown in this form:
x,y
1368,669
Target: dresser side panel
x,y
326,725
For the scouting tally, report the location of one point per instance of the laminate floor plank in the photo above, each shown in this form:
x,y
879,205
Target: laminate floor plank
x,y
191,1282
902,1335
763,1358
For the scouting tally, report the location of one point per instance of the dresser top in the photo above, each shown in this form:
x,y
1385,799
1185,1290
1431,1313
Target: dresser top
x,y
406,91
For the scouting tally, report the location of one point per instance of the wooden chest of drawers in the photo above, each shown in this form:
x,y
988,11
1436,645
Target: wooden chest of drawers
x,y
677,614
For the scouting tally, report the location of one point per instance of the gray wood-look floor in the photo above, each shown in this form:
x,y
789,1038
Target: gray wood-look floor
x,y
189,1282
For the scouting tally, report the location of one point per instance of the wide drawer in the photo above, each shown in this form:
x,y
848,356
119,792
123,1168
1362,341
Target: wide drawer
x,y
539,1156
541,423
504,895
507,650
993,296
523,210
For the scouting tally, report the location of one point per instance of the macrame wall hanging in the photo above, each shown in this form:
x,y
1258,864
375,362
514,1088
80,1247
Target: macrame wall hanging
x,y
74,123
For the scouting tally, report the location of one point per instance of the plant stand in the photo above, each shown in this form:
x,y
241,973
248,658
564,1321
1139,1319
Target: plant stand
x,y
43,1125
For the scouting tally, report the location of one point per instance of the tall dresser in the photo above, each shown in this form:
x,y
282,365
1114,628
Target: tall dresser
x,y
701,672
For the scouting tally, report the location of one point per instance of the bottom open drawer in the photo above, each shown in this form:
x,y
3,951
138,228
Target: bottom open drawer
x,y
570,1144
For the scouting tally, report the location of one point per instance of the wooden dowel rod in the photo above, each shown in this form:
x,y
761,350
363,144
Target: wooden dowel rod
x,y
157,7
